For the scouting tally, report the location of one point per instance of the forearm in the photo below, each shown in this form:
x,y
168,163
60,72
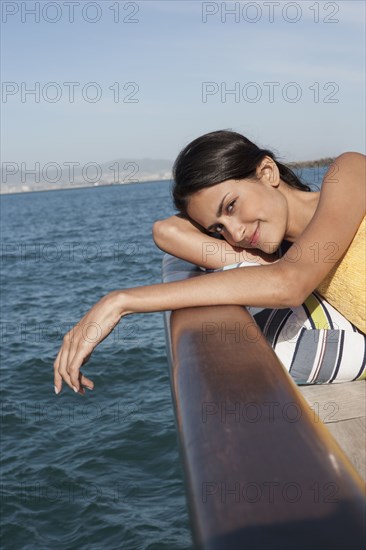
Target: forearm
x,y
261,286
179,237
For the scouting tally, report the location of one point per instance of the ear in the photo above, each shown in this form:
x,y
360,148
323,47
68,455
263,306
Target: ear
x,y
268,172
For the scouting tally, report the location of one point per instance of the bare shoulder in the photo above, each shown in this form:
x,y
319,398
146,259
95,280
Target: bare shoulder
x,y
351,158
343,193
340,211
348,170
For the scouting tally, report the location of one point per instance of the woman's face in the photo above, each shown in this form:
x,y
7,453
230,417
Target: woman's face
x,y
247,213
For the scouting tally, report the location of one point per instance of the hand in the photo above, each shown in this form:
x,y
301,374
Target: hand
x,y
80,341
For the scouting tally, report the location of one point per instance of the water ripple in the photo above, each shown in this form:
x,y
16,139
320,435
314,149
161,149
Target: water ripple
x,y
103,470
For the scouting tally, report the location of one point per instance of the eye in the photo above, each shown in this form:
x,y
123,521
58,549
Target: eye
x,y
229,209
217,229
230,205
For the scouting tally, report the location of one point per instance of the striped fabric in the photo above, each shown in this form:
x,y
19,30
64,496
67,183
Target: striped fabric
x,y
314,342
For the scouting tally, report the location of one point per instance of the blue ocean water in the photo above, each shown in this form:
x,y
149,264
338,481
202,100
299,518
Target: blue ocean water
x,y
100,470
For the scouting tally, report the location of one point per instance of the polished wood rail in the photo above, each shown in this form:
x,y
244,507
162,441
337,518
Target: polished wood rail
x,y
261,469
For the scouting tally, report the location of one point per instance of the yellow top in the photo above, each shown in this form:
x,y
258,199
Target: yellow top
x,y
344,286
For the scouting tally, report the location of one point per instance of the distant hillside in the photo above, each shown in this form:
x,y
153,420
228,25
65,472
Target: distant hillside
x,y
118,171
311,163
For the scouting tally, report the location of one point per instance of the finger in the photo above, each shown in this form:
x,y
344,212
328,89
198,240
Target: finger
x,y
76,360
74,369
63,368
81,390
84,381
57,378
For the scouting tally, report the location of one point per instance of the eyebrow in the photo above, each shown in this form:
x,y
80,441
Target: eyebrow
x,y
219,211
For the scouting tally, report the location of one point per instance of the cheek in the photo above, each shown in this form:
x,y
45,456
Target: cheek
x,y
276,208
259,205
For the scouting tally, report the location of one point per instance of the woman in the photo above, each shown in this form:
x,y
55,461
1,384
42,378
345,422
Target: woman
x,y
227,187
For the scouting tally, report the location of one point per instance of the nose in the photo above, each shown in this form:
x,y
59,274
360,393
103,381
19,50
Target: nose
x,y
236,231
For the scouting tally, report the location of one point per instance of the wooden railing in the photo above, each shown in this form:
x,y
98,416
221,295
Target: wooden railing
x,y
261,470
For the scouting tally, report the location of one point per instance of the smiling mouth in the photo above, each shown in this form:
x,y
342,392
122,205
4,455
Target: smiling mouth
x,y
255,238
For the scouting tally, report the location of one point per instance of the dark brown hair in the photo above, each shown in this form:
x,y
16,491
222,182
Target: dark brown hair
x,y
217,157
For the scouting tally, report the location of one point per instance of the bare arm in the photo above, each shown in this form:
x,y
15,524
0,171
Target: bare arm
x,y
288,281
186,240
282,284
233,286
340,211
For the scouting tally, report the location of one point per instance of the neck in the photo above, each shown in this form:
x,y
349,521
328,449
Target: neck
x,y
301,208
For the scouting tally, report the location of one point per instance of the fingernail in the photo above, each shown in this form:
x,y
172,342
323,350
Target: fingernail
x,y
75,389
56,390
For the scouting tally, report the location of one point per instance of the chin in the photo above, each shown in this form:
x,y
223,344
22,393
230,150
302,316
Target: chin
x,y
272,244
269,247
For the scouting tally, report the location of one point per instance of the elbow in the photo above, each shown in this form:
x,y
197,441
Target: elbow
x,y
157,232
161,230
295,300
290,291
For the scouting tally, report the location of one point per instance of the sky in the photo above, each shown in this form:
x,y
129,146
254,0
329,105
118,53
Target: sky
x,y
142,79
